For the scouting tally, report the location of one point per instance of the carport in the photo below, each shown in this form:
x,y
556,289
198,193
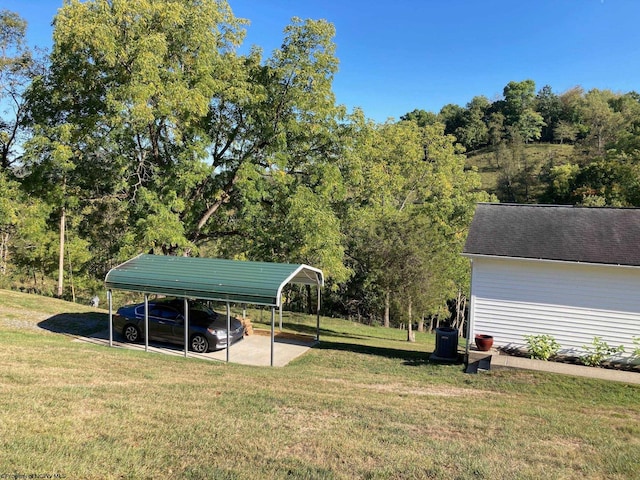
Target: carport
x,y
227,281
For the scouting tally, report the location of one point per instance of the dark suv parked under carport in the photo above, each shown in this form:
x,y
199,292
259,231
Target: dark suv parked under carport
x,y
207,329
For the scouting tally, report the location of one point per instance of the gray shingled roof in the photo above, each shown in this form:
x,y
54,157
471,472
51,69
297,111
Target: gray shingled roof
x,y
574,234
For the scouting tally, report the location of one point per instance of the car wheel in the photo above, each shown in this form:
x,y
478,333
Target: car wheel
x,y
131,333
199,344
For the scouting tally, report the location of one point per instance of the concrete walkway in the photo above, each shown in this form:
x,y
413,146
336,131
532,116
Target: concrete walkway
x,y
509,361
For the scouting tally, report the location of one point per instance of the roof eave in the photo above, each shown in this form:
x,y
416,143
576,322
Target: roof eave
x,y
548,260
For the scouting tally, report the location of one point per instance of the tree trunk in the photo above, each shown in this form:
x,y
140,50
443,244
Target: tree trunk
x,y
421,324
225,196
600,141
387,301
4,251
73,288
310,307
61,257
411,337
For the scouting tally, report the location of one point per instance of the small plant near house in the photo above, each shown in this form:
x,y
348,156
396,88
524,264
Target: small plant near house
x,y
542,347
636,351
598,351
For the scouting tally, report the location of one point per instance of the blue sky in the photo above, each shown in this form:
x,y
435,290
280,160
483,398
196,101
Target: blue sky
x,y
406,54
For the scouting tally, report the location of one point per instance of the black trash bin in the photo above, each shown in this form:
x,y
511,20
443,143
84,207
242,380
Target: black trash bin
x,y
447,343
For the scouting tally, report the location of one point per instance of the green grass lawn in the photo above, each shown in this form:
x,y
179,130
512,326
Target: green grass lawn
x,y
363,404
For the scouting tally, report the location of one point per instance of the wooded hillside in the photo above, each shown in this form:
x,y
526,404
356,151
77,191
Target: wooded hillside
x,y
574,147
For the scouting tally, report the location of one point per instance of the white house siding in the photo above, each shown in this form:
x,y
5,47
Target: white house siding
x,y
573,302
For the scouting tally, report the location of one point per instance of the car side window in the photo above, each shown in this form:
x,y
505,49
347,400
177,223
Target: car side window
x,y
169,313
153,311
156,312
165,313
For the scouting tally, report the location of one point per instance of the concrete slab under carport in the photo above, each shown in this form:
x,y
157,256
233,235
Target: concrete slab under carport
x,y
251,350
256,350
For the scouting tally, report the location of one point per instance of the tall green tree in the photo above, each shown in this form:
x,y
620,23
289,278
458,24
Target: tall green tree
x,y
411,202
52,176
529,125
452,116
571,111
495,128
9,217
276,153
548,105
565,131
26,242
473,133
286,121
602,121
18,65
158,112
114,116
613,182
421,117
519,110
627,140
518,97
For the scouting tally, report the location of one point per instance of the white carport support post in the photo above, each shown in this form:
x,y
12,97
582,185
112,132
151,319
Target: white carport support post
x,y
228,329
110,302
318,315
273,326
280,317
146,322
186,326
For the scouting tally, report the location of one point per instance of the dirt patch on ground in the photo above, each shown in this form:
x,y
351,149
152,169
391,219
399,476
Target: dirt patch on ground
x,y
427,391
432,391
84,323
21,319
22,313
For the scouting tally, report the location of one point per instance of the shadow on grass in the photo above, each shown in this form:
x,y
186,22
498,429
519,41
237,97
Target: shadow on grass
x,y
325,332
408,357
412,358
76,324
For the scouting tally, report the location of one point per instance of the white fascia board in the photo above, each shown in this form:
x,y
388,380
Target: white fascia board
x,y
472,256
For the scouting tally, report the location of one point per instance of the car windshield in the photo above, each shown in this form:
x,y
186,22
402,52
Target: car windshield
x,y
201,307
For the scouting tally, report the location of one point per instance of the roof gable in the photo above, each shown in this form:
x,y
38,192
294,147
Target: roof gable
x,y
550,232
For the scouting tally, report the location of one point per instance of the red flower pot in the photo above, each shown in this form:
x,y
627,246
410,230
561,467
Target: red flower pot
x,y
484,342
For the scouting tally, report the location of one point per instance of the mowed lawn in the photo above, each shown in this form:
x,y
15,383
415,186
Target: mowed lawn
x,y
363,404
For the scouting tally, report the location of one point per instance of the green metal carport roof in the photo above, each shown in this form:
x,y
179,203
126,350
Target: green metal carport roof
x,y
235,281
